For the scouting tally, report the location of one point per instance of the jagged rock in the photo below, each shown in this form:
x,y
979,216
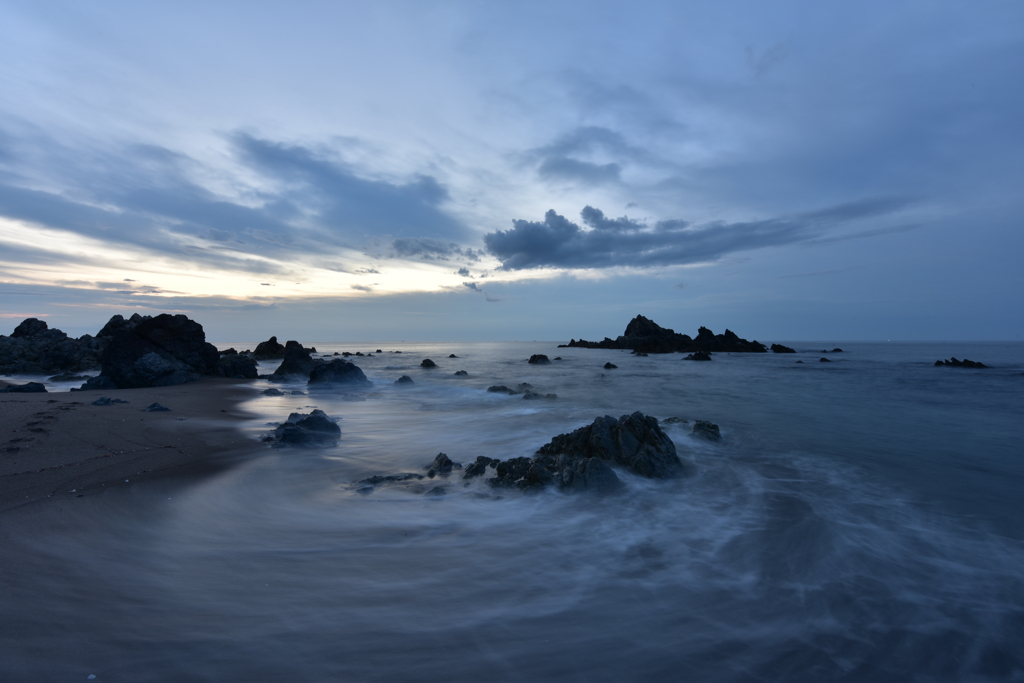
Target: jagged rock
x,y
297,364
35,349
404,379
645,336
156,352
314,430
539,359
27,388
269,350
779,348
635,442
442,465
237,366
461,373
338,372
273,391
155,408
953,362
610,366
479,466
698,355
427,363
706,430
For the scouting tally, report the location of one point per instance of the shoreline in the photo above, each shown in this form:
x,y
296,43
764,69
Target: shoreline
x,y
54,445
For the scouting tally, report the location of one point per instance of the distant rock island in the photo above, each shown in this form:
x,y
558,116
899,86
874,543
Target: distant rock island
x,y
643,335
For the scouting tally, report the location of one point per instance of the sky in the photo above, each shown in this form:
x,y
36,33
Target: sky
x,y
515,170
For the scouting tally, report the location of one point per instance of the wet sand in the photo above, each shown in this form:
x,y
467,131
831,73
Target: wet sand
x,y
55,445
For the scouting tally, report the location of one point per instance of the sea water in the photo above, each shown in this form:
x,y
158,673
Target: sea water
x,y
860,520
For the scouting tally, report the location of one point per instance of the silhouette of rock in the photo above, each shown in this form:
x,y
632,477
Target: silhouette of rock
x,y
645,336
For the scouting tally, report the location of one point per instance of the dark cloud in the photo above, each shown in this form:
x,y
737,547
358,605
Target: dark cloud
x,y
477,288
464,272
558,242
581,156
427,249
361,288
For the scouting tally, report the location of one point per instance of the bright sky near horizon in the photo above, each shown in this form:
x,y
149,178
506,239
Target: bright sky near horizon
x,y
526,170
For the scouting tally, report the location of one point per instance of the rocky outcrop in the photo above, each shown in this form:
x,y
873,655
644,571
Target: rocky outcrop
x,y
706,430
779,348
338,373
297,365
539,359
698,355
269,350
27,388
643,335
314,430
954,363
236,365
35,349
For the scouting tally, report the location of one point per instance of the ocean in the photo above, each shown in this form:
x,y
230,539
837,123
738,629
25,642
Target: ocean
x,y
860,520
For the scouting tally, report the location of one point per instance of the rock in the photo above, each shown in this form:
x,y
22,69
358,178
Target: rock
x,y
557,358
27,388
338,372
953,362
499,389
35,349
635,442
610,366
536,395
107,401
698,355
539,359
452,355
314,430
640,354
155,408
379,351
479,466
461,373
799,361
706,430
269,350
237,366
156,352
228,352
524,386
645,336
273,391
442,465
779,348
389,478
675,420
99,383
435,492
586,474
837,350
404,379
824,360
297,364
427,363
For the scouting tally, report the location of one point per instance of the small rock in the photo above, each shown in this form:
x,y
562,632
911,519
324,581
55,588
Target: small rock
x,y
706,430
699,355
610,366
539,359
273,391
427,363
452,355
107,401
155,408
435,492
404,379
461,373
824,360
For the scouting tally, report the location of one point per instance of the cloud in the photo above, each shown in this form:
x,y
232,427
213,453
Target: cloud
x,y
591,155
361,288
557,242
477,288
464,272
761,64
427,249
564,168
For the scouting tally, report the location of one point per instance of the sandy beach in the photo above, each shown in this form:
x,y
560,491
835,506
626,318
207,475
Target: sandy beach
x,y
55,445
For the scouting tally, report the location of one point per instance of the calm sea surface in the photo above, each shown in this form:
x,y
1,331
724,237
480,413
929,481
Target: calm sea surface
x,y
861,520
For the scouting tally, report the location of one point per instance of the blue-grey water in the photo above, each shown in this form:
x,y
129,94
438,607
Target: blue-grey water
x,y
861,520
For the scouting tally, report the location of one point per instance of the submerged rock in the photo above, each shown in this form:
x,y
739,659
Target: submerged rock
x,y
273,391
706,430
404,379
427,363
461,373
698,355
824,360
539,359
338,372
314,430
610,366
953,362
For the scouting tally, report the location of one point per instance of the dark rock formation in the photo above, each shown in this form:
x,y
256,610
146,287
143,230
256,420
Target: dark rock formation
x,y
532,395
500,389
237,366
706,430
273,391
314,430
479,466
461,373
35,349
269,350
698,355
97,383
779,348
27,388
645,336
68,377
297,364
404,379
156,352
954,363
824,360
635,442
610,366
442,465
835,350
155,408
338,372
427,363
452,355
539,359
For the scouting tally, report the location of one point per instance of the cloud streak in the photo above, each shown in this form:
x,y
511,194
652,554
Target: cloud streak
x,y
557,242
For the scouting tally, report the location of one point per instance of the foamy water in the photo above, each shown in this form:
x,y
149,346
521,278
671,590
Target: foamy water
x,y
860,520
